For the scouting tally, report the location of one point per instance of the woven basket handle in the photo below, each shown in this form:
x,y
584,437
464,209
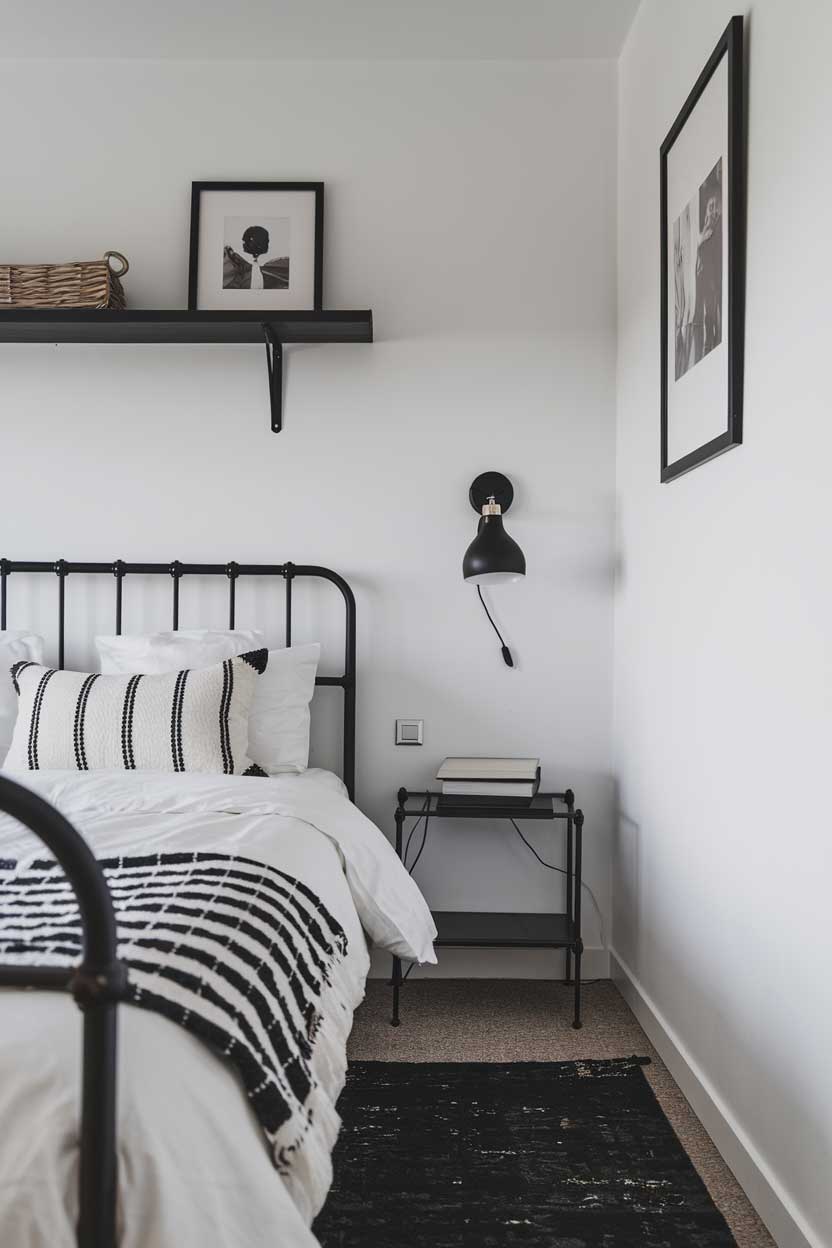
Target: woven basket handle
x,y
124,264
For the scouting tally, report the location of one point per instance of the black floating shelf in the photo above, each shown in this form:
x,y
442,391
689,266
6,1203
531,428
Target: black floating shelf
x,y
103,325
275,329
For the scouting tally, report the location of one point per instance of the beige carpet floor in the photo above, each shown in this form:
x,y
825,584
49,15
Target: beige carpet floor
x,y
480,1020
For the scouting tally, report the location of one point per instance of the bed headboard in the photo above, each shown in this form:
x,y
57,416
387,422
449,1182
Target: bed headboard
x,y
289,572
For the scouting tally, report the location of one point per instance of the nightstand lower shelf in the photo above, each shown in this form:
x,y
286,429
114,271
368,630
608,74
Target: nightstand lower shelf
x,y
487,929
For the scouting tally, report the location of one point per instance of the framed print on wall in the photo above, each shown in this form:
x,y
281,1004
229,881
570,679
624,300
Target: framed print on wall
x,y
702,266
256,246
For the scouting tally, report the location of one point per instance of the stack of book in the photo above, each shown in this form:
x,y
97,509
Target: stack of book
x,y
488,781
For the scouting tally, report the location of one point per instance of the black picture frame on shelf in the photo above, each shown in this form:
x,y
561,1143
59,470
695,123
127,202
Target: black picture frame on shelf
x,y
703,266
256,246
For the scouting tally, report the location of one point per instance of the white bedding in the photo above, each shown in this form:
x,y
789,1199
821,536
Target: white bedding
x,y
194,1167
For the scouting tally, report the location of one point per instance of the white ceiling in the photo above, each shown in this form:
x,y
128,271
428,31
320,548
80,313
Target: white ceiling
x,y
315,29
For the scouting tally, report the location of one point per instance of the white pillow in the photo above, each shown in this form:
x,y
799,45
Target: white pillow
x,y
14,646
279,724
156,654
191,720
278,731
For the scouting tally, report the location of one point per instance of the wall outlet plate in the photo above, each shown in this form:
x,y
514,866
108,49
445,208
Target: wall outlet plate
x,y
410,731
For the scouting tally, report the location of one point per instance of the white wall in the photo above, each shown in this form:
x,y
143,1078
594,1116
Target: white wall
x,y
472,206
723,711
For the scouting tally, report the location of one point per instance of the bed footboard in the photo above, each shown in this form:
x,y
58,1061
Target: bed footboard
x,y
97,985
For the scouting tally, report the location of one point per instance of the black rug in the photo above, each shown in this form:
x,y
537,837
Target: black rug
x,y
538,1154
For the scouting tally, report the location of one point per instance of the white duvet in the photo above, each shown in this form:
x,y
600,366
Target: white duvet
x,y
194,1167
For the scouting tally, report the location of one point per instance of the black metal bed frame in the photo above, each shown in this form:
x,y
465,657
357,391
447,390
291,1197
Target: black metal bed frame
x,y
100,980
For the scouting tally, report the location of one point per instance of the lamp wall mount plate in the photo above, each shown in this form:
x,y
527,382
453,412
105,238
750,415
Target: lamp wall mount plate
x,y
488,484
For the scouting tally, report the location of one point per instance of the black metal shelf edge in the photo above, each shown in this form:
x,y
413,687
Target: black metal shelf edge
x,y
538,809
490,930
179,325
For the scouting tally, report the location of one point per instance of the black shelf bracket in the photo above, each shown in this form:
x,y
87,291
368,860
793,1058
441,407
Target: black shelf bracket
x,y
274,364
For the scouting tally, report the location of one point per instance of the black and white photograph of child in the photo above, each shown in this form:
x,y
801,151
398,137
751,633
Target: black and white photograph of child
x,y
255,254
697,268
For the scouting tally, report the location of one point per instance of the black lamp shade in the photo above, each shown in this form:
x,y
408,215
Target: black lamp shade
x,y
493,557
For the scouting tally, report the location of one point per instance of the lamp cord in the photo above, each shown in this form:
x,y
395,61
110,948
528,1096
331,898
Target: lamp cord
x,y
509,661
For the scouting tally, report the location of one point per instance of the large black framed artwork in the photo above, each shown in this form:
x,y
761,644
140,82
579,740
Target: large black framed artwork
x,y
256,246
702,266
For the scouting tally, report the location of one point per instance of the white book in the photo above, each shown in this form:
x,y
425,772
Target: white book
x,y
492,788
488,769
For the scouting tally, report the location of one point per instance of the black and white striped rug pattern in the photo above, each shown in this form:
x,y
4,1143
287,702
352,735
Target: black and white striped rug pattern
x,y
234,950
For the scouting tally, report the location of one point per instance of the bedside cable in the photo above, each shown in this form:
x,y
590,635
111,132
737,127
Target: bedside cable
x,y
410,869
426,816
551,867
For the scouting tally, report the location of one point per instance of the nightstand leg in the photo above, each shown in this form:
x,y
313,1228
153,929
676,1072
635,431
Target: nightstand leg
x,y
578,946
397,980
397,962
576,1022
569,883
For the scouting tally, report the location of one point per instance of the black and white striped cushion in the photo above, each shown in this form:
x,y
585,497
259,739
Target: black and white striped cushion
x,y
194,720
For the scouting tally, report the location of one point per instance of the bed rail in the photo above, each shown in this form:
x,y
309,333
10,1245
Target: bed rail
x,y
176,570
97,984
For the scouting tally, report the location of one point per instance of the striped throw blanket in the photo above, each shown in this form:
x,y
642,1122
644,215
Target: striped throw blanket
x,y
237,952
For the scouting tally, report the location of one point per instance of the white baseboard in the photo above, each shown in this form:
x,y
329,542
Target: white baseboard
x,y
499,964
774,1205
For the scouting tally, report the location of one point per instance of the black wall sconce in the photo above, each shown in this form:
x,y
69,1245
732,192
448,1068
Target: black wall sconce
x,y
493,558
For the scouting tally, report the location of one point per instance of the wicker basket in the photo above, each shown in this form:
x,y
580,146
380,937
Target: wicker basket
x,y
80,284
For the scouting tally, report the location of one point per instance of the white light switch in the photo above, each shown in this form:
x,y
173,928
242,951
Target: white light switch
x,y
410,731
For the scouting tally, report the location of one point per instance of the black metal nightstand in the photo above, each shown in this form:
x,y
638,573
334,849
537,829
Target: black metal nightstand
x,y
470,929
